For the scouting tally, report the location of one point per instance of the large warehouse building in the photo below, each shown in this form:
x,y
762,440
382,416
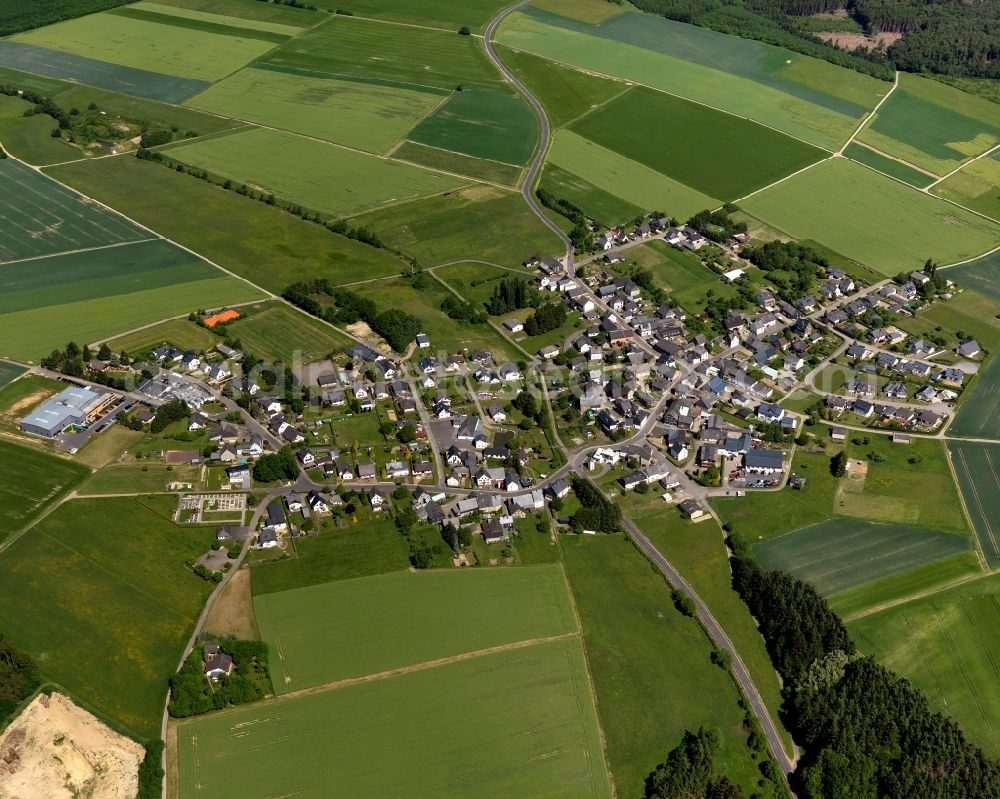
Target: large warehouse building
x,y
72,406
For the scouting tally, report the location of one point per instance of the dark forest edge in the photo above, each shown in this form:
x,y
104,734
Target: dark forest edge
x,y
866,732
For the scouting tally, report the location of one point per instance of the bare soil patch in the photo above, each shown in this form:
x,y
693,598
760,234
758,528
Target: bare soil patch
x,y
56,750
851,41
232,609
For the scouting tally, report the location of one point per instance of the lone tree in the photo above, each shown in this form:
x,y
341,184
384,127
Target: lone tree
x,y
464,31
838,465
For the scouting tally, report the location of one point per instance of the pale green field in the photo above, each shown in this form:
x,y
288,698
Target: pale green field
x,y
367,116
625,178
137,43
731,92
319,176
219,19
871,219
350,628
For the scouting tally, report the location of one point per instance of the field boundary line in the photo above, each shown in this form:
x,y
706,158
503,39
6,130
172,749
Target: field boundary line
x,y
895,158
871,114
965,508
962,166
937,589
397,22
627,87
782,180
406,140
394,672
81,250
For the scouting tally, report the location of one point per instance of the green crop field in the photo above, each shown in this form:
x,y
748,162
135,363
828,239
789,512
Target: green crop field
x,y
429,13
319,176
29,480
978,469
494,225
564,93
704,149
273,248
981,274
933,125
841,554
887,166
648,665
976,186
143,44
281,334
362,115
350,628
620,176
878,222
371,547
391,54
240,9
598,204
977,417
448,161
482,124
810,99
99,595
181,333
519,723
42,218
49,63
92,295
9,371
220,15
946,645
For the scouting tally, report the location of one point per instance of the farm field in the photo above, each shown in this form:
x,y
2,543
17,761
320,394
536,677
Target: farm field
x,y
218,16
181,333
945,644
60,581
564,93
319,176
370,547
389,55
43,218
99,74
482,124
631,181
933,125
809,99
92,295
977,416
887,166
28,138
648,665
428,13
977,467
474,281
9,371
842,554
878,222
273,249
493,224
445,333
448,161
161,46
976,186
22,395
239,9
29,480
363,115
598,204
350,628
531,704
280,334
703,148
980,274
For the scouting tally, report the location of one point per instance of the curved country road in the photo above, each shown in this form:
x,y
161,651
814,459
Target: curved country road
x,y
714,629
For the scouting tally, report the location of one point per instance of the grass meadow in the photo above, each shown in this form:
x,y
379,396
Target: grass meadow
x,y
878,222
237,10
518,723
564,93
217,14
978,469
426,13
976,186
318,176
89,296
361,115
273,248
448,161
946,644
281,334
495,225
977,416
28,137
29,480
139,43
351,628
887,166
933,125
703,148
482,124
43,218
181,333
601,205
650,665
391,54
99,595
9,371
633,182
809,99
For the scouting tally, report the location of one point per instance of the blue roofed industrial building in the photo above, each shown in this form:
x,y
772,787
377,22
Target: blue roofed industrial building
x,y
71,406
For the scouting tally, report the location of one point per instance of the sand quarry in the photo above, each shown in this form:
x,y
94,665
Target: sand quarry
x,y
56,750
